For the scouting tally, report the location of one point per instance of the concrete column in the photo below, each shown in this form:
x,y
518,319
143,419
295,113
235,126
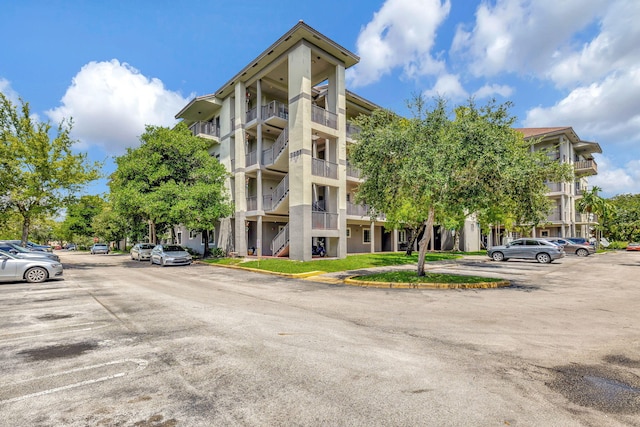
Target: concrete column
x,y
240,178
300,151
394,246
259,236
372,233
336,103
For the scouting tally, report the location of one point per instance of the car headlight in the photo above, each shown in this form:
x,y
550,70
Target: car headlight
x,y
56,265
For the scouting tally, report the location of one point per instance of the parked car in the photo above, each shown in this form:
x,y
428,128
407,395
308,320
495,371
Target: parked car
x,y
71,247
32,246
33,270
141,251
99,248
580,249
527,248
170,255
580,240
14,249
633,247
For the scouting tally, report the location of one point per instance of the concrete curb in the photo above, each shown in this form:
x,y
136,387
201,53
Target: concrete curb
x,y
394,285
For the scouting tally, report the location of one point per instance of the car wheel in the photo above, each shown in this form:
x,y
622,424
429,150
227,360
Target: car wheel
x,y
36,275
582,252
497,256
543,258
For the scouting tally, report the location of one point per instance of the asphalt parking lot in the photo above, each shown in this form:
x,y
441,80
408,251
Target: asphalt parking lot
x,y
123,343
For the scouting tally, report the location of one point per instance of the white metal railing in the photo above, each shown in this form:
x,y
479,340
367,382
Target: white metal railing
x,y
252,114
324,168
555,215
352,171
206,128
352,130
251,158
278,195
267,203
252,203
555,187
281,240
324,220
275,109
324,117
359,210
270,155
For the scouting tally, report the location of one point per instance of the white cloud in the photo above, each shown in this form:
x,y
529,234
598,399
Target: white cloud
x,y
609,110
401,34
111,102
614,180
7,90
488,91
448,86
524,36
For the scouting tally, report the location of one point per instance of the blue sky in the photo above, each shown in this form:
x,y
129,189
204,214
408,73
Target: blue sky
x,y
116,66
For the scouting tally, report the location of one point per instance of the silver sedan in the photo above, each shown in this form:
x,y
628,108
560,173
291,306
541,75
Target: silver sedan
x,y
170,255
141,251
34,270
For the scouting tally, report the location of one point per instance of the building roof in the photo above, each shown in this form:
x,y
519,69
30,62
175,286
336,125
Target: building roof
x,y
586,147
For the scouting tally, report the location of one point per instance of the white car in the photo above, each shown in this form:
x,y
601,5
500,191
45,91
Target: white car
x,y
170,255
141,251
33,270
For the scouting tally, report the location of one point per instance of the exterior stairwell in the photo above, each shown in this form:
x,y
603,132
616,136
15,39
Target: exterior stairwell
x,y
274,201
272,155
280,243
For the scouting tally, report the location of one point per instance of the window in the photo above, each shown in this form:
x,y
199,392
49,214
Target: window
x,y
366,235
348,232
544,233
192,234
179,236
402,235
212,237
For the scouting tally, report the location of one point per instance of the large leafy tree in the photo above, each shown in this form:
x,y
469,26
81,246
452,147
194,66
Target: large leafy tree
x,y
79,217
448,168
39,173
171,179
624,224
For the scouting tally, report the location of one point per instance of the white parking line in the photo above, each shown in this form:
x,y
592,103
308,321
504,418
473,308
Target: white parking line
x,y
49,333
141,364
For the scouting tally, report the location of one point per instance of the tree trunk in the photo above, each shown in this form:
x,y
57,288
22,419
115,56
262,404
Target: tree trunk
x,y
26,224
426,238
205,237
416,233
152,232
456,241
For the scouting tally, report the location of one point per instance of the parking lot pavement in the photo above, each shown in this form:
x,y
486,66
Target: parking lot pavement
x,y
118,342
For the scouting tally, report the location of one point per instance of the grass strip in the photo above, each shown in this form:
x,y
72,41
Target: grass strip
x,y
412,277
351,262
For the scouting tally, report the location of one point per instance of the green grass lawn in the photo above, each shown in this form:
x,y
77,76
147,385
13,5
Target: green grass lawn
x,y
351,262
412,277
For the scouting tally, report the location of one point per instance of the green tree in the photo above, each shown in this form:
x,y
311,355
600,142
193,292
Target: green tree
x,y
446,169
38,174
80,214
624,224
171,179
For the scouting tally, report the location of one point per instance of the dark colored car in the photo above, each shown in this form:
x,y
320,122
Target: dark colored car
x,y
170,255
21,252
580,249
32,246
579,240
541,250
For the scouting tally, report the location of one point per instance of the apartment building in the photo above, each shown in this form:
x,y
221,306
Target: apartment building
x,y
565,146
281,126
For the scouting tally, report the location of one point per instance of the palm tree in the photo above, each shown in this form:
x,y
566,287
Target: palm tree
x,y
591,203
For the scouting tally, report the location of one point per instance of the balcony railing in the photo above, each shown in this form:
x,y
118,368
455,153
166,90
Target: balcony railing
x,y
324,117
321,167
205,128
251,158
281,240
554,216
555,187
271,201
275,109
586,167
324,221
271,154
358,210
252,114
252,203
352,130
352,171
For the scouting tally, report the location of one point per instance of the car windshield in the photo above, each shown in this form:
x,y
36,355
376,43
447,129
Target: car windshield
x,y
15,248
7,254
173,248
99,245
146,246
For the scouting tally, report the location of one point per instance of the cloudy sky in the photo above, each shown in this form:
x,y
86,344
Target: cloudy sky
x,y
116,66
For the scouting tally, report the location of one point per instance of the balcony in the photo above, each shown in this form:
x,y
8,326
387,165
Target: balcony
x,y
324,117
324,220
205,128
352,130
251,158
275,109
353,172
357,210
585,167
323,168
